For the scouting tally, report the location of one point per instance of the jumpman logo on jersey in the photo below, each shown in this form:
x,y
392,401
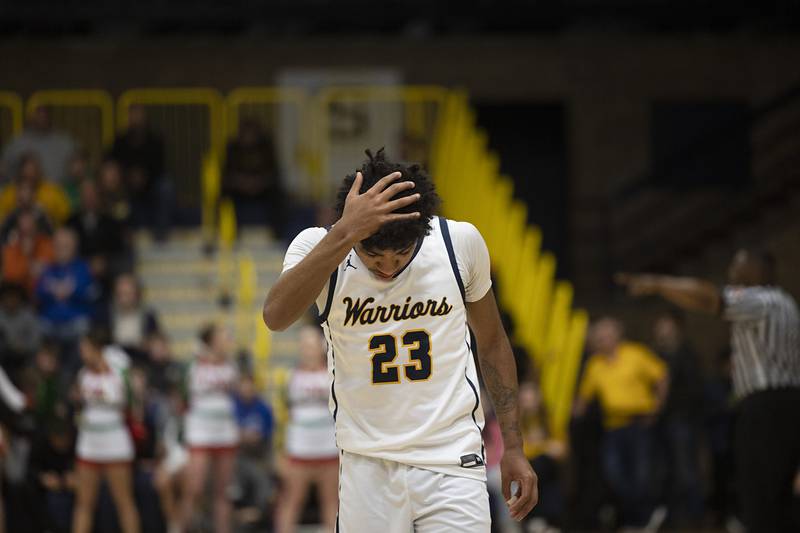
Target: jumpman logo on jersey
x,y
349,264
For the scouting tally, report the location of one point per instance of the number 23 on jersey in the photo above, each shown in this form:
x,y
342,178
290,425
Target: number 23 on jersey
x,y
384,352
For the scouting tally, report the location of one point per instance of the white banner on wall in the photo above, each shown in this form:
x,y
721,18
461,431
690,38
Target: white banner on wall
x,y
352,127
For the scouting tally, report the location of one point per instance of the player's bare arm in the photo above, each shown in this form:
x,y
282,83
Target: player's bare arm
x,y
688,293
363,215
500,378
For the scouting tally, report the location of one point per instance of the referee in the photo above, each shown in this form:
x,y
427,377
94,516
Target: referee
x,y
765,339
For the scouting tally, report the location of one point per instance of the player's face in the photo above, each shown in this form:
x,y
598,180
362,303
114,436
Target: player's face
x,y
384,264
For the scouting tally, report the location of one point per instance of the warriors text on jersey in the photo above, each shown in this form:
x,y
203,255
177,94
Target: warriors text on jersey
x,y
405,385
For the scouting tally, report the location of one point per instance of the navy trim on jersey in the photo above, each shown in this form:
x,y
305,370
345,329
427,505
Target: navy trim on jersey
x,y
323,316
448,243
477,399
477,405
333,381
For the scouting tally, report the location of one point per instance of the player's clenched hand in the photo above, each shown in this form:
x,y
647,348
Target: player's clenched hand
x,y
515,467
364,214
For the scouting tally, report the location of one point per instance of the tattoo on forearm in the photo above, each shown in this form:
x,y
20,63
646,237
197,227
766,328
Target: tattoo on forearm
x,y
504,397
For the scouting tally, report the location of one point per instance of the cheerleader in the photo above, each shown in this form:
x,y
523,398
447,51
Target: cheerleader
x,y
104,447
311,454
211,432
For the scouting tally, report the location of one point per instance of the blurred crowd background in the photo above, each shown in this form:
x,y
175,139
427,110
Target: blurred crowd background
x,y
157,158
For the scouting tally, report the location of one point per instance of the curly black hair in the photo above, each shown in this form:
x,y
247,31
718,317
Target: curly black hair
x,y
401,234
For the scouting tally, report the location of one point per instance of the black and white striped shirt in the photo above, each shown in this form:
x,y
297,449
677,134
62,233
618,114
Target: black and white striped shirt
x,y
765,338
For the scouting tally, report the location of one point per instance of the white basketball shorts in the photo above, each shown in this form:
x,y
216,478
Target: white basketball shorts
x,y
378,496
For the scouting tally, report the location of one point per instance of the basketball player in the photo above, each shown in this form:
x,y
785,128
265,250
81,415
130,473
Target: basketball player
x,y
396,288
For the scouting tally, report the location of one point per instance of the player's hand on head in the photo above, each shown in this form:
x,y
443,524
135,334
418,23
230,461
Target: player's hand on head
x,y
515,469
364,213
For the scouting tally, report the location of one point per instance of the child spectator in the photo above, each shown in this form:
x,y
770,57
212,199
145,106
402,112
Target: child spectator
x,y
52,464
253,478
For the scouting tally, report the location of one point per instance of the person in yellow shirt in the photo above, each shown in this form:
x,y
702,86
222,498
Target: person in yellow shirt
x,y
49,196
630,383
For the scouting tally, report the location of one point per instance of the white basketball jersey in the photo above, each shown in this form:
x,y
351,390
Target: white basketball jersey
x,y
405,387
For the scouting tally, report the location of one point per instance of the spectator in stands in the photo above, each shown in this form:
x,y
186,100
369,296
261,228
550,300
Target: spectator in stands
x,y
113,196
25,201
631,385
47,195
173,458
140,154
52,465
66,294
311,454
54,149
680,422
146,422
128,320
103,241
28,252
545,453
20,332
253,473
48,385
251,177
164,372
77,173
